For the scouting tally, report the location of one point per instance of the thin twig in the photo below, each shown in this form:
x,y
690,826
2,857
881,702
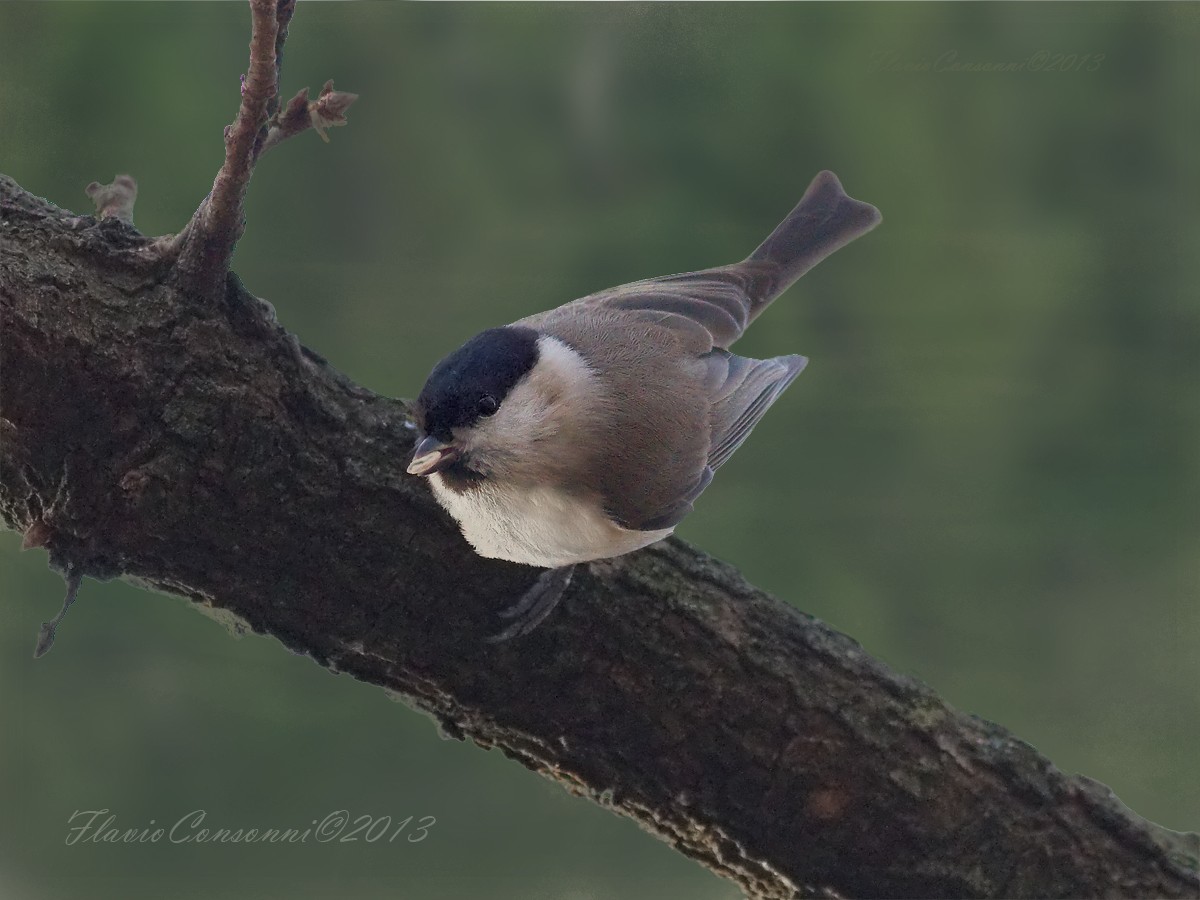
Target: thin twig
x,y
214,231
46,634
224,214
203,250
283,17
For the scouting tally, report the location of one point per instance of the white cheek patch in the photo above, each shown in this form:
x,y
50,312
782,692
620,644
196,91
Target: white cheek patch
x,y
562,366
533,408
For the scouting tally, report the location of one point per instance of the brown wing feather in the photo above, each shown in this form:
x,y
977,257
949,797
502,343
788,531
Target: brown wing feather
x,y
749,389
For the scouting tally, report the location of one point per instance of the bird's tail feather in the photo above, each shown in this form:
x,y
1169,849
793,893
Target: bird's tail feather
x,y
825,220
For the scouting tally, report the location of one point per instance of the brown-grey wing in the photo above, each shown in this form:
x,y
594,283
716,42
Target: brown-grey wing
x,y
675,512
741,391
681,407
656,440
717,301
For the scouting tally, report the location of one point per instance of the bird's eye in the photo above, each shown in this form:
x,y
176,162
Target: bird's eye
x,y
487,405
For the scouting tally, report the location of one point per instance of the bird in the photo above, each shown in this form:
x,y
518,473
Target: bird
x,y
588,431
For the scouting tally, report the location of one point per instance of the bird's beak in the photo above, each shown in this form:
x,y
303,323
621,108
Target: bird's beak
x,y
431,456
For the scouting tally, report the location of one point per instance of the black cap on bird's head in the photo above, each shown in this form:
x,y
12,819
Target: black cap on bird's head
x,y
468,385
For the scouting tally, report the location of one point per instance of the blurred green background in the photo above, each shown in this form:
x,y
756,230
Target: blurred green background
x,y
989,474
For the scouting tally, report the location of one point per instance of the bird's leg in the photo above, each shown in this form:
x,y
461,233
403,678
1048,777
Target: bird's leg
x,y
537,603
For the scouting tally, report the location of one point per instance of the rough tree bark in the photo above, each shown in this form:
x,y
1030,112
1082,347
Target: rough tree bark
x,y
157,424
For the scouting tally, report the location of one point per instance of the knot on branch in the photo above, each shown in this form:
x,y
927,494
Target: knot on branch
x,y
115,200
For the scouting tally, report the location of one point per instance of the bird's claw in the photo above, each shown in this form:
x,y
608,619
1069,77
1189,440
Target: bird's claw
x,y
535,605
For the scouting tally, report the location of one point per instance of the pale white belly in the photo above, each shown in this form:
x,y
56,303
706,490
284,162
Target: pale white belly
x,y
539,526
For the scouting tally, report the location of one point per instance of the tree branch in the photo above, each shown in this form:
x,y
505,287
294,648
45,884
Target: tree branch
x,y
198,449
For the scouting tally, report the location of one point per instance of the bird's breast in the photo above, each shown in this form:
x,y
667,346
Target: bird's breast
x,y
537,525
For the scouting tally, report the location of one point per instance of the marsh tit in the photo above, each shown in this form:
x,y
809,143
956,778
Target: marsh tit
x,y
588,431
